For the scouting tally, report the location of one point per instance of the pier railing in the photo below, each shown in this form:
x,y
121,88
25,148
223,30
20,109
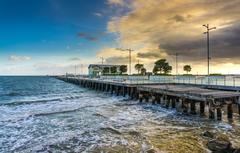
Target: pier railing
x,y
232,81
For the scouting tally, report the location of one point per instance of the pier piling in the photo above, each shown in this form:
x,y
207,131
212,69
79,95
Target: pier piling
x,y
140,97
158,99
146,96
238,103
173,102
202,108
184,106
193,107
211,110
219,113
229,111
167,102
153,99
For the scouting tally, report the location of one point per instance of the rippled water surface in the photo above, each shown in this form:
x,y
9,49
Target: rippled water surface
x,y
43,114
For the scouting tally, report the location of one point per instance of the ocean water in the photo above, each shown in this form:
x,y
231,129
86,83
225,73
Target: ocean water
x,y
43,114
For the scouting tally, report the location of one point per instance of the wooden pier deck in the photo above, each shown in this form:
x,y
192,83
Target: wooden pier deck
x,y
185,97
188,91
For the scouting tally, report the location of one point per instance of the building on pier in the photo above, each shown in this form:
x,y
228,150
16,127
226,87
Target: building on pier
x,y
95,70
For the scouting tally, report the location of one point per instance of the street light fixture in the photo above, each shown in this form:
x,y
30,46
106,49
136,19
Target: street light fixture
x,y
130,57
208,50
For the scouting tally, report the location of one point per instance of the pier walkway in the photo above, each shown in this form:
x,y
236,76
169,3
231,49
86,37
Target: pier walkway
x,y
185,98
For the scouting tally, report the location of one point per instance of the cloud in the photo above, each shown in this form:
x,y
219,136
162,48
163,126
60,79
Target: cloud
x,y
75,59
178,18
60,68
16,58
150,55
117,60
98,14
116,2
175,26
224,45
87,36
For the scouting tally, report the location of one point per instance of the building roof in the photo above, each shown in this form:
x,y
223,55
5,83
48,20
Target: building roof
x,y
103,65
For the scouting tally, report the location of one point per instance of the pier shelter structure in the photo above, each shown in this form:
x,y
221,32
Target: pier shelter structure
x,y
95,70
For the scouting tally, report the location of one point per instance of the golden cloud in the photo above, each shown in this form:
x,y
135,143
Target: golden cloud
x,y
164,27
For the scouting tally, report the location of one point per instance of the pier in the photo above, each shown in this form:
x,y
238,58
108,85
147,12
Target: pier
x,y
189,99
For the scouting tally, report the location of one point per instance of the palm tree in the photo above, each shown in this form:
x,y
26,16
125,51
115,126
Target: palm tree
x,y
138,67
143,71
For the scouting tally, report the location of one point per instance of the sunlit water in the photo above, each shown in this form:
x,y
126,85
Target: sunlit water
x,y
43,114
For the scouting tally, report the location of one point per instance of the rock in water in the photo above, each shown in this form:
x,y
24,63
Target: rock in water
x,y
220,146
237,150
208,134
151,151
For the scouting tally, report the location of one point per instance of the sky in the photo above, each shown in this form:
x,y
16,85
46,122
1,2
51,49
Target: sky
x,y
52,36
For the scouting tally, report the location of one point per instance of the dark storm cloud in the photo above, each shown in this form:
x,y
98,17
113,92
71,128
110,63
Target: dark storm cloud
x,y
118,60
150,55
178,18
224,44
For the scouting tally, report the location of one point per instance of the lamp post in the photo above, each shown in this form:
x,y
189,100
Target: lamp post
x,y
177,63
130,57
102,60
208,50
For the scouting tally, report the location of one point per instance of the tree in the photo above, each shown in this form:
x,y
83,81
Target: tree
x,y
113,69
143,71
138,67
162,66
187,68
105,70
123,69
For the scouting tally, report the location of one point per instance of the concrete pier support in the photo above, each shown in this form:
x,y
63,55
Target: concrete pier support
x,y
134,93
153,99
146,97
219,113
179,104
167,102
193,107
99,86
128,91
117,90
211,110
229,111
185,106
102,86
238,109
123,91
131,92
158,99
96,86
202,108
162,102
238,103
111,89
173,102
140,97
106,87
